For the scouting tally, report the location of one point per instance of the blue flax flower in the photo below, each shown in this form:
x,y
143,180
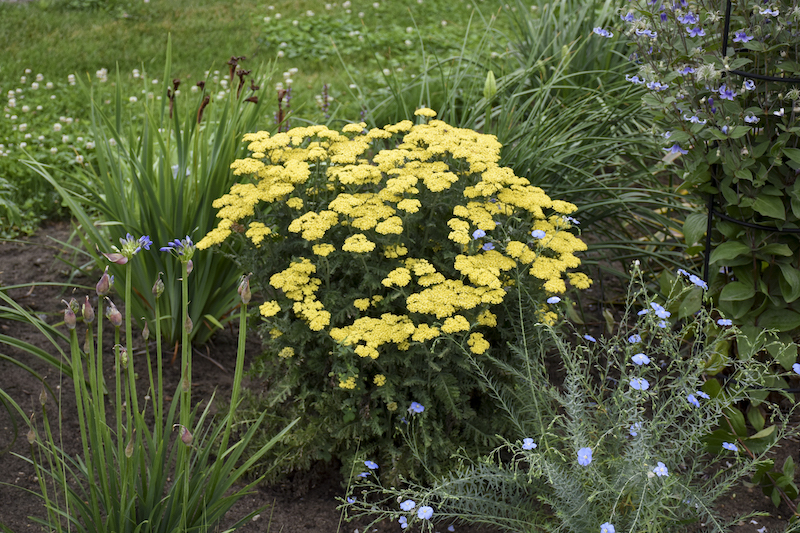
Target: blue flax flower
x,y
425,512
538,234
487,246
350,499
371,465
528,444
416,408
608,527
635,338
592,339
729,446
749,85
724,322
553,300
699,282
478,233
403,522
639,384
640,359
692,400
796,368
584,456
660,311
662,324
660,469
703,395
634,429
408,505
363,474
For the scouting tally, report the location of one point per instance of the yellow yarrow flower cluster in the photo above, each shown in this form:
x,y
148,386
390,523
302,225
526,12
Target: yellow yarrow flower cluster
x,y
442,229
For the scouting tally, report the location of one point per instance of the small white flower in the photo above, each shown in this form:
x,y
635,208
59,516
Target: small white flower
x,y
25,109
23,144
133,99
48,85
40,77
23,79
111,142
778,113
79,159
280,53
56,127
23,127
90,144
54,150
65,139
34,86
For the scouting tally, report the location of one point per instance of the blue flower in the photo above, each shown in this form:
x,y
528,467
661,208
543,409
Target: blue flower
x,y
660,470
350,499
608,527
724,129
528,444
676,149
699,282
660,311
635,338
181,248
416,408
425,512
749,85
741,37
371,465
686,70
643,312
363,474
724,322
725,93
692,400
408,505
696,31
592,339
639,384
487,246
584,456
703,395
657,86
565,218
682,272
796,368
634,429
751,118
538,234
403,522
478,233
662,324
648,33
640,359
633,79
688,18
629,17
694,119
603,33
730,446
450,528
771,12
553,300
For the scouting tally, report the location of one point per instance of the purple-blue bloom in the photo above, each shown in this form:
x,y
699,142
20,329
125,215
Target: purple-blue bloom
x,y
749,85
528,444
676,149
699,282
692,400
657,86
648,33
478,233
660,311
425,512
796,368
686,70
696,31
416,408
703,395
741,37
633,79
640,359
408,505
603,33
730,447
629,17
538,234
639,384
553,300
607,527
660,469
688,18
725,93
182,248
635,338
770,12
371,465
592,339
634,429
724,322
751,119
487,246
584,456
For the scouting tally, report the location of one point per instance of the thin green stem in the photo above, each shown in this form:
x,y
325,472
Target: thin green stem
x,y
129,344
237,376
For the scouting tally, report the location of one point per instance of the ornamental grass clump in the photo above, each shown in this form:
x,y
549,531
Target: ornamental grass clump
x,y
377,251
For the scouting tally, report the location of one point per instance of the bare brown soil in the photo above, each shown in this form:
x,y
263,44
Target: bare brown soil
x,y
303,503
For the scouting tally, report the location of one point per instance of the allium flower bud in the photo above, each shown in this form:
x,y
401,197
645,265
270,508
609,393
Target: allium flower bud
x,y
113,314
88,311
490,87
158,286
145,330
104,285
189,266
129,449
123,356
43,396
188,325
244,289
31,436
69,317
186,437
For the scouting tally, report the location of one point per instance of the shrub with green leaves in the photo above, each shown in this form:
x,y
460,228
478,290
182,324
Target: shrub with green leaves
x,y
375,249
607,433
736,137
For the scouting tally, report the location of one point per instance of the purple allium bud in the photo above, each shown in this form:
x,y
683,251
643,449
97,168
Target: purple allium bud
x,y
186,437
244,289
145,330
31,436
188,325
158,287
104,285
87,311
129,449
123,355
189,266
69,317
113,314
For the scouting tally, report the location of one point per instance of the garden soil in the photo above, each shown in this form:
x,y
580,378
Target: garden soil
x,y
303,503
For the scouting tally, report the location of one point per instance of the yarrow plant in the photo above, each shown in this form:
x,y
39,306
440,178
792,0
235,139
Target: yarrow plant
x,y
728,119
585,452
370,247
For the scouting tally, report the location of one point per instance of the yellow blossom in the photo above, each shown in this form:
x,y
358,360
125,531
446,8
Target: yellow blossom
x,y
257,231
349,383
477,343
379,380
268,309
425,112
361,304
295,203
323,250
286,352
399,276
579,280
454,324
487,318
358,243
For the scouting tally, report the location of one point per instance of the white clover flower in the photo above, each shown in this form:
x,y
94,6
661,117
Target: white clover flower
x,y
155,82
56,127
444,23
267,19
12,117
34,86
54,150
295,22
69,120
407,42
25,109
135,72
294,70
65,139
280,53
376,5
23,144
71,79
48,85
28,71
79,159
28,135
328,7
309,13
23,79
133,99
40,138
386,72
39,108
90,144
23,127
111,142
52,97
346,4
277,16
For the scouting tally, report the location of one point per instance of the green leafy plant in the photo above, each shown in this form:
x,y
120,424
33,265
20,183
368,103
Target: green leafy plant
x,y
733,137
133,476
605,433
163,173
371,248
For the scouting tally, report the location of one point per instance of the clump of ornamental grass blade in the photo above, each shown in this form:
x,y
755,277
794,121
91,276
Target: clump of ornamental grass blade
x,y
605,434
373,248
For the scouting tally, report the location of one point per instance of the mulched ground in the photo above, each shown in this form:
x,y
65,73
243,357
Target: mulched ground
x,y
305,503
